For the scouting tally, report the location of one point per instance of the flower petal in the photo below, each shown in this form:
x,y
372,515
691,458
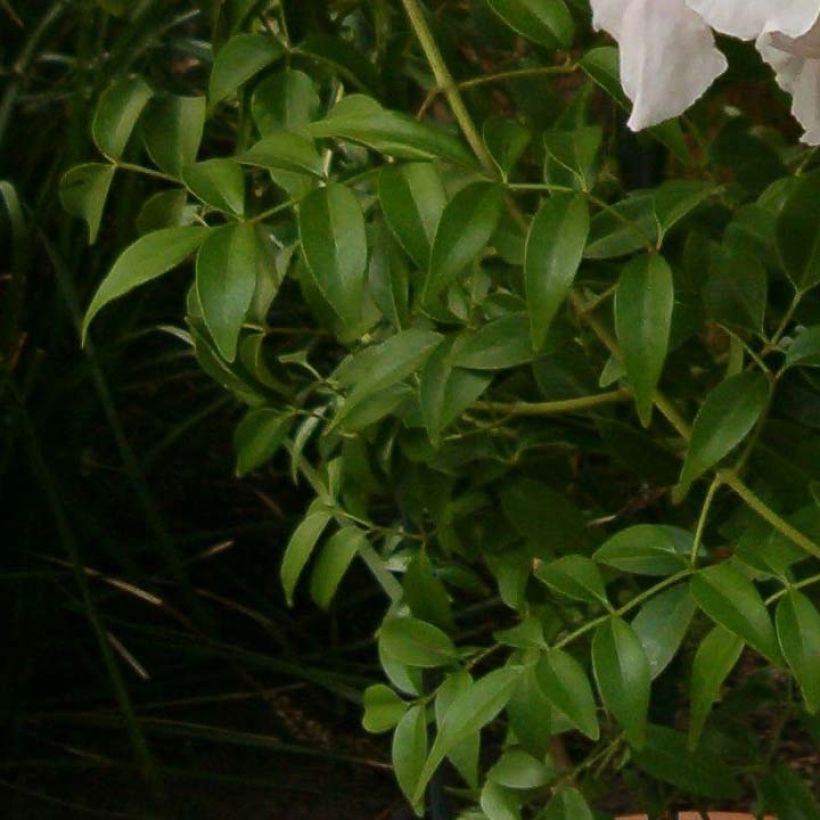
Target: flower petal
x,y
608,15
750,18
668,59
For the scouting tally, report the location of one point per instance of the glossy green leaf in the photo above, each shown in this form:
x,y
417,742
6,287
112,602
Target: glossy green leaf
x,y
804,351
300,548
730,599
425,594
446,391
391,132
412,200
565,684
667,758
165,209
240,59
661,625
572,155
467,225
471,709
624,228
227,267
623,676
117,113
409,751
727,416
736,290
499,803
286,100
518,769
146,259
285,151
382,366
555,245
644,301
567,804
717,655
333,561
548,24
575,576
464,754
258,436
530,714
83,192
334,242
172,129
498,345
416,643
798,232
383,709
798,631
506,140
647,549
219,183
677,198
345,59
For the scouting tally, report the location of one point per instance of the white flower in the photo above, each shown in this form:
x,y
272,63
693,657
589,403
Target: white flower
x,y
667,52
796,62
748,19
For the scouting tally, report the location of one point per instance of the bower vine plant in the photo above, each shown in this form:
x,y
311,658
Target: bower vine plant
x,y
554,384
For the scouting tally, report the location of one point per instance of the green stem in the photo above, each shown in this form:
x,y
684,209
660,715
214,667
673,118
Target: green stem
x,y
704,514
553,408
755,503
806,582
141,169
444,80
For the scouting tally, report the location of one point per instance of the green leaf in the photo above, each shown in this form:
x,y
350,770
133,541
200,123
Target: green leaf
x,y
667,758
334,242
467,225
228,265
804,351
83,191
300,547
285,151
623,676
471,709
499,803
382,366
219,183
787,795
344,59
563,681
425,594
798,630
498,345
446,391
575,576
332,563
241,58
736,291
172,129
165,209
286,100
716,657
677,198
118,110
555,245
727,416
383,709
146,259
568,804
730,599
390,132
548,24
416,643
412,199
506,140
571,156
518,769
647,549
409,752
661,625
644,301
622,229
258,436
464,754
798,232
530,714
529,634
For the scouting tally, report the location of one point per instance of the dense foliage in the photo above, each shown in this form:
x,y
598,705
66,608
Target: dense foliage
x,y
553,384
